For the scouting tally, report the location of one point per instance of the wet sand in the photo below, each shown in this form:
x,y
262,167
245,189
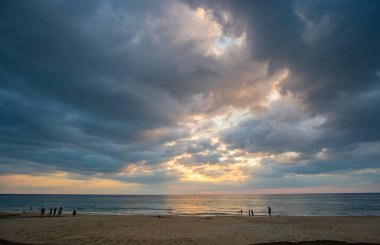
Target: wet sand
x,y
139,229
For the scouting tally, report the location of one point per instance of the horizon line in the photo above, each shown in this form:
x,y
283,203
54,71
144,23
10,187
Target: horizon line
x,y
195,194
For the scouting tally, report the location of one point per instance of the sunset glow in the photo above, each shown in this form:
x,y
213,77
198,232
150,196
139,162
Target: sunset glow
x,y
180,97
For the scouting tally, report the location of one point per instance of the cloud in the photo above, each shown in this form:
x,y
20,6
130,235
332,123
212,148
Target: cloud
x,y
97,88
282,127
330,51
56,182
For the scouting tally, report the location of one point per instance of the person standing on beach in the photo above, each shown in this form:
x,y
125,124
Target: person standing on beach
x,y
74,213
269,211
241,211
51,209
42,212
60,211
55,211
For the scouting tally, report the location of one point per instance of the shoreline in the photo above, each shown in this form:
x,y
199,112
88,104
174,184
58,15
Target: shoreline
x,y
69,214
173,229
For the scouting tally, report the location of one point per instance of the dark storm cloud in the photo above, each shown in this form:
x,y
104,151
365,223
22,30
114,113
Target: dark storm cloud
x,y
92,87
54,55
282,128
331,51
349,158
95,86
70,89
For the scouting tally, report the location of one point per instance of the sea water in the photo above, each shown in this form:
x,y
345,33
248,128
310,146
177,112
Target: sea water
x,y
283,205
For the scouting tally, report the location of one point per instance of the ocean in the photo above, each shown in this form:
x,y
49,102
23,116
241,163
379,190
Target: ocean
x,y
284,205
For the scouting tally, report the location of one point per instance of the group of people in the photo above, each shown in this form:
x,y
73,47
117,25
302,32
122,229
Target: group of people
x,y
251,213
52,212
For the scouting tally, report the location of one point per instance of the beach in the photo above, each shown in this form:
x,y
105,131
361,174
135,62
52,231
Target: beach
x,y
147,229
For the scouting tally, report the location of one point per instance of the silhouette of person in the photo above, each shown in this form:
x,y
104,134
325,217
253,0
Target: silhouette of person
x,y
60,211
50,212
252,213
74,213
269,211
249,212
241,211
55,211
42,211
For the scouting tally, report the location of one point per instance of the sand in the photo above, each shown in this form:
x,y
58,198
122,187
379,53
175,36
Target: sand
x,y
125,229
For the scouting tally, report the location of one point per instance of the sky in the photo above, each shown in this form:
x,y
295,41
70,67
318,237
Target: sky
x,y
189,97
